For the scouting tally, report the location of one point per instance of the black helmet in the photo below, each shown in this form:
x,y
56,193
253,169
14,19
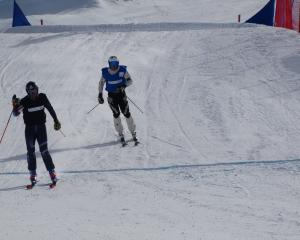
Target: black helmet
x,y
32,89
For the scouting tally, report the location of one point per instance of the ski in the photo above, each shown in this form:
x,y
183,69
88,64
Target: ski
x,y
124,143
30,186
50,185
33,183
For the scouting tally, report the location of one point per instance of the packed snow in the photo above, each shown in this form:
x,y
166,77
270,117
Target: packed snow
x,y
219,132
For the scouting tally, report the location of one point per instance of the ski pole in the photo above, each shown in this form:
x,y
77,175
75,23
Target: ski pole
x,y
6,126
135,105
93,108
62,132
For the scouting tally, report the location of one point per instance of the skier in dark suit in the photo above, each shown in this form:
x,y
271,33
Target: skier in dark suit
x,y
34,116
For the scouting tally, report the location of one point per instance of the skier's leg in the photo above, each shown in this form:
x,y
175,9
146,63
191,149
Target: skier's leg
x,y
124,106
131,125
43,144
30,138
118,125
113,104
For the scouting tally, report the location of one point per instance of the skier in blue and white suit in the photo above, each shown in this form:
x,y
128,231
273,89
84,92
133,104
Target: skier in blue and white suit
x,y
116,78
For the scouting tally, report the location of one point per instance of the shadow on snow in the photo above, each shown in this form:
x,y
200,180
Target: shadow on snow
x,y
24,156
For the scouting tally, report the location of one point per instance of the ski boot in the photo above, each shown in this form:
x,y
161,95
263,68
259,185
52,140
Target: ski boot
x,y
134,138
53,178
122,140
33,180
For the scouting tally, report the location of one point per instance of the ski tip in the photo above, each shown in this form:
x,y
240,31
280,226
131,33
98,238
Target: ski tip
x,y
29,187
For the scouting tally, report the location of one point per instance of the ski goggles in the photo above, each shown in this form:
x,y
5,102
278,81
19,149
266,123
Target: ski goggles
x,y
113,64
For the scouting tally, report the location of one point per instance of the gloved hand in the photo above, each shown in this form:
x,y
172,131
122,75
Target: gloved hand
x,y
57,125
15,101
100,98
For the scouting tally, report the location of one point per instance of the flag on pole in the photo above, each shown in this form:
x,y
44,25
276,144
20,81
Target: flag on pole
x,y
279,13
19,18
265,15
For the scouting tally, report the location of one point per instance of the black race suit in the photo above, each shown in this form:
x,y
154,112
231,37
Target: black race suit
x,y
35,128
118,101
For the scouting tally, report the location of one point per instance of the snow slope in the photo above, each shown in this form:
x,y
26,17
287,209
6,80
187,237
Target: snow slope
x,y
87,12
220,133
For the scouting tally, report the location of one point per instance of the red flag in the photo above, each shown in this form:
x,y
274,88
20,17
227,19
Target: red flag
x,y
283,14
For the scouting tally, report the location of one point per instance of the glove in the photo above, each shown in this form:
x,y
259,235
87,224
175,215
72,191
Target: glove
x,y
57,125
15,101
100,98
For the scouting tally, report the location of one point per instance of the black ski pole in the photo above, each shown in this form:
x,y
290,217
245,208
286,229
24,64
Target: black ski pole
x,y
135,105
93,108
6,126
62,132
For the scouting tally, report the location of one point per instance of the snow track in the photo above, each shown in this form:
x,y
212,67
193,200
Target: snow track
x,y
130,27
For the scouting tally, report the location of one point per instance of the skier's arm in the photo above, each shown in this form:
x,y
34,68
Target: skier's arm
x,y
100,88
101,84
49,107
128,79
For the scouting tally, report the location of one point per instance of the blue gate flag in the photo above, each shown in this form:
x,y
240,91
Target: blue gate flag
x,y
19,18
265,15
